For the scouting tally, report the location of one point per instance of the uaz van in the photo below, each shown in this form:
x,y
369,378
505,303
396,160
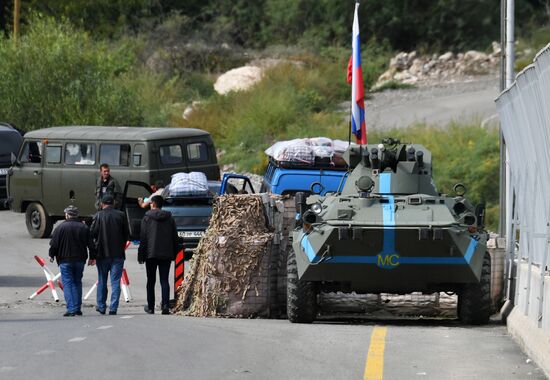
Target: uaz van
x,y
59,166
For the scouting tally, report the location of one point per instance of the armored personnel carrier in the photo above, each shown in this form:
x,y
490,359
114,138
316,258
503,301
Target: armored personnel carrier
x,y
389,231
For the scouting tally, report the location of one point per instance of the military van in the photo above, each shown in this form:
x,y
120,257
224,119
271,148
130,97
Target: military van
x,y
59,166
10,142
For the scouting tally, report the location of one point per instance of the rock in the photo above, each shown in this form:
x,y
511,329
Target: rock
x,y
496,48
401,61
402,76
473,55
446,57
416,67
189,109
387,76
239,79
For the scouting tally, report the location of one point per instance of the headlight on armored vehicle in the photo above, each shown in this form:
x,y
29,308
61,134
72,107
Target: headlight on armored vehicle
x,y
316,208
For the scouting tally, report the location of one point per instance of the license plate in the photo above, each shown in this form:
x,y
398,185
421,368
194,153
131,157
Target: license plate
x,y
4,171
190,234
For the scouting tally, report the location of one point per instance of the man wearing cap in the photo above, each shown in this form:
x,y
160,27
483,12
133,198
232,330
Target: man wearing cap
x,y
110,233
70,245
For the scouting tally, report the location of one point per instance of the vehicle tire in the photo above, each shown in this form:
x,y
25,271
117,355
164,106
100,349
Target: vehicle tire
x,y
301,305
474,300
39,223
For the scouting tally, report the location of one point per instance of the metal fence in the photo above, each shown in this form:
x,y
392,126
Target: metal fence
x,y
524,110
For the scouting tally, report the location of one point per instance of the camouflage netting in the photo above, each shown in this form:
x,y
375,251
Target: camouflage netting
x,y
229,270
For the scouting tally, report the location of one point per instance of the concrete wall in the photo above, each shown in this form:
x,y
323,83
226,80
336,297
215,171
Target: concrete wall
x,y
526,324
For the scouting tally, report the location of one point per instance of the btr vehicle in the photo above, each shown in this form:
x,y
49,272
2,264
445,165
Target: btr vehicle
x,y
10,142
389,231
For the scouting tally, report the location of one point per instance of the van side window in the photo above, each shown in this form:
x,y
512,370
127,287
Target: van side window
x,y
32,152
53,154
171,154
79,154
115,154
197,152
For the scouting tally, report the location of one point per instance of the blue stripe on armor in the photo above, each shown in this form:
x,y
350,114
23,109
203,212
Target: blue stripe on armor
x,y
470,251
388,215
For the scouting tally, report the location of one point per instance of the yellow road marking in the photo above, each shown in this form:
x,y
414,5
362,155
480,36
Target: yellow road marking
x,y
374,366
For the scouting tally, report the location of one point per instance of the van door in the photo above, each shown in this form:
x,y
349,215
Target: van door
x,y
51,179
134,213
80,174
25,182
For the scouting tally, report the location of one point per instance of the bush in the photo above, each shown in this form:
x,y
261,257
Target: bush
x,y
468,154
58,76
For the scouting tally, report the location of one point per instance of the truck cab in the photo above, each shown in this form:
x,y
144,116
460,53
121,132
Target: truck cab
x,y
320,177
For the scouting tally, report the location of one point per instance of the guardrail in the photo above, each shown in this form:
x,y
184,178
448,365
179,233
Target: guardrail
x,y
524,110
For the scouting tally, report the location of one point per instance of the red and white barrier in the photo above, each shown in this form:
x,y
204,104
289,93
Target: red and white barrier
x,y
125,285
94,287
50,280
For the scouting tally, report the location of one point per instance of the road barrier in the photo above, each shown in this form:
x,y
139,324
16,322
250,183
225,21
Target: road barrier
x,y
125,285
50,280
179,271
124,282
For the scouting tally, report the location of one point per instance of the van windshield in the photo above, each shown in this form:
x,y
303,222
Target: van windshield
x,y
9,143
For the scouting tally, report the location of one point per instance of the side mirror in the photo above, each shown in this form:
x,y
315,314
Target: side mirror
x,y
13,160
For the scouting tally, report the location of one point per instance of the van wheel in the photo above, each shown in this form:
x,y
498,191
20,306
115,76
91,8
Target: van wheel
x,y
39,223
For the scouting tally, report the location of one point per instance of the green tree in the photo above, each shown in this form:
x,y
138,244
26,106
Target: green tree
x,y
57,76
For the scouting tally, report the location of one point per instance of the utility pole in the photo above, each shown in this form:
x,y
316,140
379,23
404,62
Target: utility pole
x,y
16,9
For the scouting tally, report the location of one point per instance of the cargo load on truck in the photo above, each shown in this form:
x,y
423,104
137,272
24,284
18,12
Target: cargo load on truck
x,y
313,165
309,152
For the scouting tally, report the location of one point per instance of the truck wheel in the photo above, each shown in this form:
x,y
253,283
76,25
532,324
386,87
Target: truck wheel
x,y
474,300
301,305
39,223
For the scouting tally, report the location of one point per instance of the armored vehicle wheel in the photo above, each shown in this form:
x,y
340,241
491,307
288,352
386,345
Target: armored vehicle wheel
x,y
474,300
301,305
39,223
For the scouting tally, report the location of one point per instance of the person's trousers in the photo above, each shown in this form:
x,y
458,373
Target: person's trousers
x,y
164,271
71,277
104,266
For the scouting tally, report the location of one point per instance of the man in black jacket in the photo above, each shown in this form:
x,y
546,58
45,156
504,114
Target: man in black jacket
x,y
158,247
110,233
71,244
106,185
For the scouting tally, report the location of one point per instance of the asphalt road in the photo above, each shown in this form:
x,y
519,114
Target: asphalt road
x,y
467,101
36,341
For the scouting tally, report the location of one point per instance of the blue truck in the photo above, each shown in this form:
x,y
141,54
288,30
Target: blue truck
x,y
288,178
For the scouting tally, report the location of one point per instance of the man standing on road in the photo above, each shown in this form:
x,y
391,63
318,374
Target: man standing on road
x,y
110,233
70,244
106,185
158,247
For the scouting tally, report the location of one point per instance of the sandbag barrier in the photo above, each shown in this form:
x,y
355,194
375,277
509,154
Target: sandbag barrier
x,y
239,267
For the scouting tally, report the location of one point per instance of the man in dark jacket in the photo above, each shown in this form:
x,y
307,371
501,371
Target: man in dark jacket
x,y
70,245
158,247
110,233
106,185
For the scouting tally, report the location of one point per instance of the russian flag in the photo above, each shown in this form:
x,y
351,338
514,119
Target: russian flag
x,y
355,78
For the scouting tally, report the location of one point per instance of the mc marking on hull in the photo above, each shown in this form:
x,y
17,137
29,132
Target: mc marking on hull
x,y
388,261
